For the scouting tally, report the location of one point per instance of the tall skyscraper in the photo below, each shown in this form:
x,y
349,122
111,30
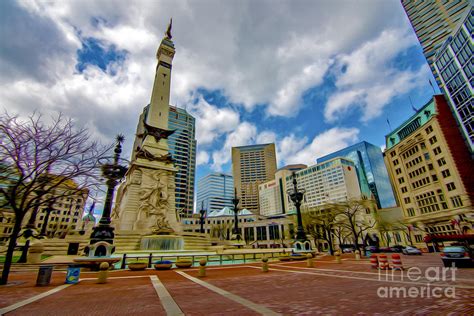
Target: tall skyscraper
x,y
215,191
182,147
430,169
454,65
371,171
433,21
251,166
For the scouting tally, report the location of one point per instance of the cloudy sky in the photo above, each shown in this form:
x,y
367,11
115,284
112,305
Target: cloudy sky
x,y
311,76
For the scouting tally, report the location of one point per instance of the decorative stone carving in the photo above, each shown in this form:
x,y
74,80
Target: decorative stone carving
x,y
145,154
137,177
154,201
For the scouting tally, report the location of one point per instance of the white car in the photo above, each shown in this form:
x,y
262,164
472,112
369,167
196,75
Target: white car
x,y
409,250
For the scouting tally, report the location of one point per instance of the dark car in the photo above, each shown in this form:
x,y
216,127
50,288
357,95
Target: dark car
x,y
372,249
386,249
398,248
460,256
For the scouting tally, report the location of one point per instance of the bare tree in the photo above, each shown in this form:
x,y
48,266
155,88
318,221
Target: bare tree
x,y
40,162
320,223
352,215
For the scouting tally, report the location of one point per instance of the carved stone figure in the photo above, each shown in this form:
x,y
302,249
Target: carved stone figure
x,y
154,201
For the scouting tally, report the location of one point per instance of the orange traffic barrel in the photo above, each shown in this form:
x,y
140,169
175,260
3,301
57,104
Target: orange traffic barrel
x,y
397,262
383,262
374,262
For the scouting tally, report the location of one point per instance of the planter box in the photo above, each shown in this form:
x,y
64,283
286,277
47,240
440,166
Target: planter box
x,y
163,266
284,258
183,264
137,266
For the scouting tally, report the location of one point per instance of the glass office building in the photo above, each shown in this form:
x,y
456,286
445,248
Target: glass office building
x,y
454,64
433,21
215,191
182,146
371,171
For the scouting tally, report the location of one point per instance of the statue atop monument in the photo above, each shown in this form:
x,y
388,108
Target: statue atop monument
x,y
146,200
168,30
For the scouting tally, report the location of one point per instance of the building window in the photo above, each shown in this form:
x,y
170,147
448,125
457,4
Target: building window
x,y
401,180
434,177
411,211
406,200
451,186
433,140
429,129
392,154
398,171
441,162
418,238
395,162
437,151
456,201
445,173
404,190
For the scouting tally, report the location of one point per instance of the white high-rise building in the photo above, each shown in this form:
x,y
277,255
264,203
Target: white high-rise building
x,y
331,181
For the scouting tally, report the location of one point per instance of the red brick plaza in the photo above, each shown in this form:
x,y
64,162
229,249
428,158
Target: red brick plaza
x,y
289,288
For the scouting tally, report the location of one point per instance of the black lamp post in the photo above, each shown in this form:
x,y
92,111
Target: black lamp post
x,y
296,197
113,172
236,201
201,218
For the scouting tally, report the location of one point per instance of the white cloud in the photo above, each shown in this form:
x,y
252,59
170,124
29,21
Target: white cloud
x,y
211,121
367,78
294,151
244,134
202,158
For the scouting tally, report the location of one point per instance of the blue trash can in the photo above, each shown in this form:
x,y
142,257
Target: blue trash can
x,y
73,273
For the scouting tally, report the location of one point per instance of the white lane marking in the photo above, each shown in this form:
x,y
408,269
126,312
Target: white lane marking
x,y
166,299
33,299
249,304
369,279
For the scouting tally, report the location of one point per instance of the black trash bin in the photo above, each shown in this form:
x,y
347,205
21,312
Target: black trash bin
x,y
44,275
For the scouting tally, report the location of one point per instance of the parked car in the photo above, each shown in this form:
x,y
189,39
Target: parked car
x,y
372,249
410,250
398,248
386,249
459,255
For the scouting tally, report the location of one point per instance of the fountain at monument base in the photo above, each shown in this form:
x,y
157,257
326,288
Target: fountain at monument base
x,y
162,242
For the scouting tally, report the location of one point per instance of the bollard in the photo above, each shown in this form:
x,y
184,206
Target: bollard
x,y
397,262
264,264
202,268
337,254
383,262
374,261
103,273
357,254
309,261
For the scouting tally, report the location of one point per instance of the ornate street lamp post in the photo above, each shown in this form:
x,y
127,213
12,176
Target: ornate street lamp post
x,y
236,201
201,218
296,197
113,172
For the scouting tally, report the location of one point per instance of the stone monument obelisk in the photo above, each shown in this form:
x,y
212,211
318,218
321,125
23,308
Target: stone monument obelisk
x,y
146,200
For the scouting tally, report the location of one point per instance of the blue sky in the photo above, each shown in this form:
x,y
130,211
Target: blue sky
x,y
311,76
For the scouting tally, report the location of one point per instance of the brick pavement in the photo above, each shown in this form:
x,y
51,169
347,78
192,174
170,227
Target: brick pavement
x,y
289,288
